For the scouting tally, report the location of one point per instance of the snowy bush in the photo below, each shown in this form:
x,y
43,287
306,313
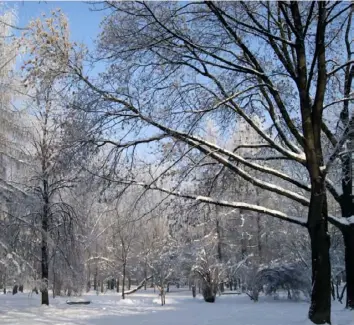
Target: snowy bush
x,y
293,278
209,273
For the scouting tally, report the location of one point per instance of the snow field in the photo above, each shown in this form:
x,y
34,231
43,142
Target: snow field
x,y
143,308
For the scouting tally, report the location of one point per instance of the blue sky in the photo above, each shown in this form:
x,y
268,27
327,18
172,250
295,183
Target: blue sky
x,y
84,27
84,23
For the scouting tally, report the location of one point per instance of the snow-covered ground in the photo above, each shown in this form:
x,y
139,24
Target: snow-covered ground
x,y
144,308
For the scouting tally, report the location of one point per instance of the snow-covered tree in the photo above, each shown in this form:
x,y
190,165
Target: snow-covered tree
x,y
174,77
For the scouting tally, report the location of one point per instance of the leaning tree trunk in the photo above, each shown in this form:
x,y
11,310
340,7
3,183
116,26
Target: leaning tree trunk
x,y
44,247
320,310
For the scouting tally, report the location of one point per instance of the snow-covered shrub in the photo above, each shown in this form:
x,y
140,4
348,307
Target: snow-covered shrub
x,y
293,277
209,274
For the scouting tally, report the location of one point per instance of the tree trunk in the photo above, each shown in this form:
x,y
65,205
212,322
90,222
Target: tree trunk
x,y
95,280
102,286
145,276
320,310
129,282
54,284
54,277
5,281
218,234
162,294
88,287
348,236
311,120
208,292
117,284
123,282
259,236
347,198
347,207
333,291
44,248
58,284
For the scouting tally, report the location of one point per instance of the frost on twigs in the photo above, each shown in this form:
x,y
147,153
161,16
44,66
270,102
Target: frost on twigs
x,y
51,53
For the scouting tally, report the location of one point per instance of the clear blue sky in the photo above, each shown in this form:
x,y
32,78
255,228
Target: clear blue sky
x,y
84,23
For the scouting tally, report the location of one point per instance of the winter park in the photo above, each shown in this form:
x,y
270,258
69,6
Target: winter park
x,y
176,163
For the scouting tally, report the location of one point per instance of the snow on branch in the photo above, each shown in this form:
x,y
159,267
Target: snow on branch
x,y
100,258
240,205
341,222
141,284
255,208
131,143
